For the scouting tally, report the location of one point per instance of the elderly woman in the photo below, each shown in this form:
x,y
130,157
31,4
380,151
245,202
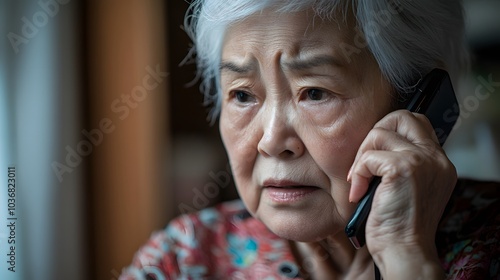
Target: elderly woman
x,y
309,93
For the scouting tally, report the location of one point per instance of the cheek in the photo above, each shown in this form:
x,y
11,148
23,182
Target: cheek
x,y
334,142
335,151
239,140
241,146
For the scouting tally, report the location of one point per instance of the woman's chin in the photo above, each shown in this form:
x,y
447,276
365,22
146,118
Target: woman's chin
x,y
299,227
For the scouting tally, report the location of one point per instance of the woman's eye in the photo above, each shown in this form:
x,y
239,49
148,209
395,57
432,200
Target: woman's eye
x,y
315,94
243,97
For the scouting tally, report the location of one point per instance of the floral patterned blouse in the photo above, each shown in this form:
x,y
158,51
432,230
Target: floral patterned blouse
x,y
225,242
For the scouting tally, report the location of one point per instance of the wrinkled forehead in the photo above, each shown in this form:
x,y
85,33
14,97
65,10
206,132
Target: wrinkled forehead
x,y
295,35
304,22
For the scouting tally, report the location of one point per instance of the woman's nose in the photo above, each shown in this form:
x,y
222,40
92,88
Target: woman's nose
x,y
279,136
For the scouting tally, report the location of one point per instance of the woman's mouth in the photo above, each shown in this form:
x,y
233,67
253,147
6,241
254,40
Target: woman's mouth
x,y
288,194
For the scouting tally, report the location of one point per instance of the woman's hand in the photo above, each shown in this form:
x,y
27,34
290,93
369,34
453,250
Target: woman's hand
x,y
417,181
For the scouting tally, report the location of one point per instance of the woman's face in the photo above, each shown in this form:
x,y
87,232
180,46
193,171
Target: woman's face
x,y
298,98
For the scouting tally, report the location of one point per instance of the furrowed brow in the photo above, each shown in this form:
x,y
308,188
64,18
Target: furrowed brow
x,y
308,63
232,67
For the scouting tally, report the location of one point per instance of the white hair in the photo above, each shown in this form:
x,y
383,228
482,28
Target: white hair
x,y
407,38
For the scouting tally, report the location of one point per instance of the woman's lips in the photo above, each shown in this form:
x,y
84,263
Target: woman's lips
x,y
287,194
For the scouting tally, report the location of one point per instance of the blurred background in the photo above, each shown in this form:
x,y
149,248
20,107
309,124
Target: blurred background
x,y
109,143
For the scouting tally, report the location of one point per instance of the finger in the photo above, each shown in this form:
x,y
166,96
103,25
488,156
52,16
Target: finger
x,y
426,124
399,131
412,126
381,139
389,165
396,131
412,130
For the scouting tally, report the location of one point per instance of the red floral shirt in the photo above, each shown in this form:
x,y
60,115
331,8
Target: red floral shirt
x,y
225,242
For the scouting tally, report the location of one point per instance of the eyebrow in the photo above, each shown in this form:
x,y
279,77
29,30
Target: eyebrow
x,y
232,67
296,64
312,62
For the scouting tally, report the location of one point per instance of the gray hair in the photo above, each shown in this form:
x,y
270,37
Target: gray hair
x,y
407,38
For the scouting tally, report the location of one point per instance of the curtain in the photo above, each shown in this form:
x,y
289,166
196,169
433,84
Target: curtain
x,y
90,166
127,89
40,115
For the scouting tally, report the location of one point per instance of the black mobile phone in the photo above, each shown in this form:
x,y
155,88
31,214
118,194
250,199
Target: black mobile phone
x,y
434,97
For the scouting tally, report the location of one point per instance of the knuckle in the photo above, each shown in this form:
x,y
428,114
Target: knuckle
x,y
377,131
370,154
378,135
407,168
403,115
404,165
416,159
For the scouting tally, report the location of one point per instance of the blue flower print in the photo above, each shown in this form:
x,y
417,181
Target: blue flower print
x,y
242,249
